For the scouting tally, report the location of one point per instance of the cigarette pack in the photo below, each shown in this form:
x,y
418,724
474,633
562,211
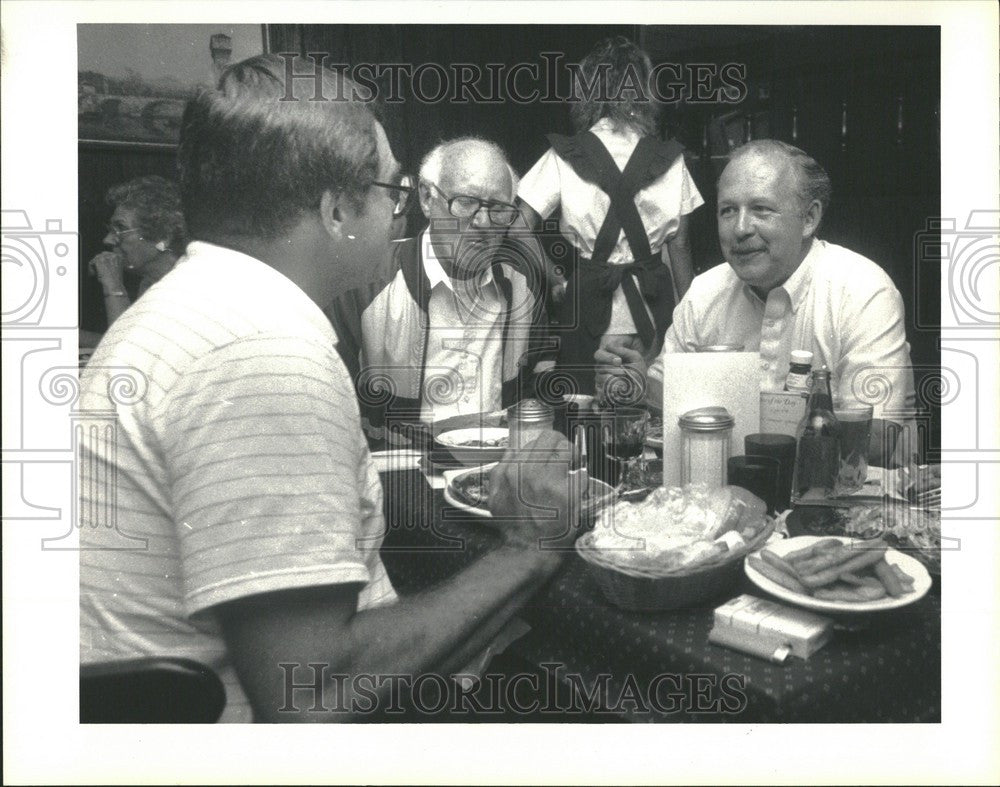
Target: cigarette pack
x,y
769,630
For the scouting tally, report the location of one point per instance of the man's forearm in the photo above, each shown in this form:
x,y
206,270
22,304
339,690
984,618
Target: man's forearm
x,y
450,622
438,631
487,632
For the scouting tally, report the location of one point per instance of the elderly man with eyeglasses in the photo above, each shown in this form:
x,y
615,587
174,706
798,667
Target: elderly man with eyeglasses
x,y
450,326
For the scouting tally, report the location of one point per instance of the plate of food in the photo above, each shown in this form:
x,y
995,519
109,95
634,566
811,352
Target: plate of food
x,y
476,445
910,529
469,490
838,574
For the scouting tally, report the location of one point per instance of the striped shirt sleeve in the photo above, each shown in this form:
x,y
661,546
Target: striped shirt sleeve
x,y
264,447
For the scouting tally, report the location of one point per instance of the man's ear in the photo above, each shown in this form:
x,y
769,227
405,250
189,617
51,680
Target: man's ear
x,y
425,195
332,209
812,217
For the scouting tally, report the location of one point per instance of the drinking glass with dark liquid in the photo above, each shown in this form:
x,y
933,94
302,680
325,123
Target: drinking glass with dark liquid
x,y
817,459
628,437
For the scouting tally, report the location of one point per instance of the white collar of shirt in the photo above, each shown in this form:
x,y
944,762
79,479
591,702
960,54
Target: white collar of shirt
x,y
797,285
226,269
605,126
434,270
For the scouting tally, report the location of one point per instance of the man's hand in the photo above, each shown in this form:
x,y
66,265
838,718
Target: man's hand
x,y
531,489
919,481
109,267
621,369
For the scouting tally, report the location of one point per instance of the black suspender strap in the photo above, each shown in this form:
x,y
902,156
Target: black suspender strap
x,y
592,162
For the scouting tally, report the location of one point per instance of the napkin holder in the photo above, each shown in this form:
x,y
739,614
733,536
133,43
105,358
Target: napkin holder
x,y
768,630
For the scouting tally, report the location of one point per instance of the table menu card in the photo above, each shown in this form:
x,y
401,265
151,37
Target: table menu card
x,y
781,411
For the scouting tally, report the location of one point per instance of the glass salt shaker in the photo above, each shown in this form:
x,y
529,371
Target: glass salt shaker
x,y
706,434
527,419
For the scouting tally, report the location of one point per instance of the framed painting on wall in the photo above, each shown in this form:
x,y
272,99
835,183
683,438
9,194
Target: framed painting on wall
x,y
133,80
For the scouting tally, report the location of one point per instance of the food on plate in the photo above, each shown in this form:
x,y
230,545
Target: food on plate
x,y
902,526
833,571
499,442
678,528
811,550
888,578
786,579
852,565
473,489
850,593
778,562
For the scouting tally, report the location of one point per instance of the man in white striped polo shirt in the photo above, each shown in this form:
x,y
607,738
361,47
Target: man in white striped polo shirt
x,y
248,511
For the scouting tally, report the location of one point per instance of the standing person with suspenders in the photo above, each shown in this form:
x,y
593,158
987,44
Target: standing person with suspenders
x,y
623,194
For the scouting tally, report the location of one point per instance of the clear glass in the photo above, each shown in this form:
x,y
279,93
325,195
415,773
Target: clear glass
x,y
629,426
855,433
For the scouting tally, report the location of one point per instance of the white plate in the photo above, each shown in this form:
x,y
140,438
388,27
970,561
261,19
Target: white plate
x,y
600,493
449,478
455,437
913,567
471,455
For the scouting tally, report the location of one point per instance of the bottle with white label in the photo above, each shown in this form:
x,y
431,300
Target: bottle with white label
x,y
799,371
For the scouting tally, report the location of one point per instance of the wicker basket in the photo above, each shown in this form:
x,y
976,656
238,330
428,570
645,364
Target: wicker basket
x,y
642,589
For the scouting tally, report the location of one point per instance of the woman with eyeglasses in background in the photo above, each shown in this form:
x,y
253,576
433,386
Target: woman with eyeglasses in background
x,y
146,236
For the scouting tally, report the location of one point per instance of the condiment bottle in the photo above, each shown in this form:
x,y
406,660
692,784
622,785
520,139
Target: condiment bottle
x,y
799,372
527,419
705,440
817,457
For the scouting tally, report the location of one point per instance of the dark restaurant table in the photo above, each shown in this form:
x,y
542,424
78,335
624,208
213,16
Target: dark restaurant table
x,y
660,666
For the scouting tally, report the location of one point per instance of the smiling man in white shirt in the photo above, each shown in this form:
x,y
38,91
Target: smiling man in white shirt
x,y
784,289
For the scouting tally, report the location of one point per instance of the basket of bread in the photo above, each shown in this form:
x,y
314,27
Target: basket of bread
x,y
678,547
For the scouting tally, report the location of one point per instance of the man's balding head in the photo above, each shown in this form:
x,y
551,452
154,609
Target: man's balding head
x,y
258,151
771,201
472,168
271,169
458,159
813,182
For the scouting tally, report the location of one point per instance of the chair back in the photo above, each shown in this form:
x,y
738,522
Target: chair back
x,y
155,690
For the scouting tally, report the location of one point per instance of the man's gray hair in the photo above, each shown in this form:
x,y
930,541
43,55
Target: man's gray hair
x,y
814,183
433,164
